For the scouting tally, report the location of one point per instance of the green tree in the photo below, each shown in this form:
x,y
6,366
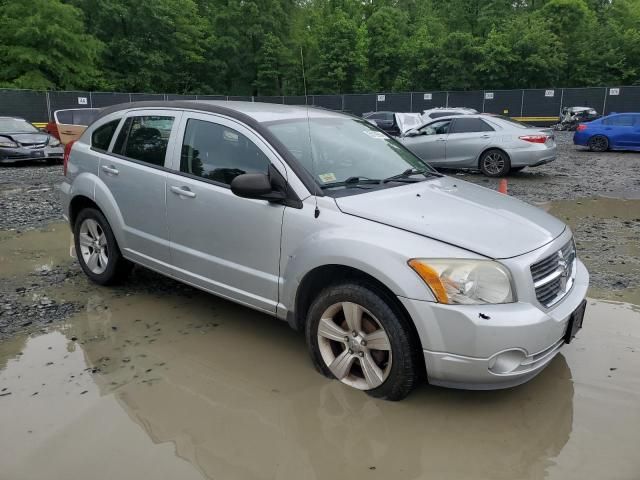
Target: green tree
x,y
387,31
44,45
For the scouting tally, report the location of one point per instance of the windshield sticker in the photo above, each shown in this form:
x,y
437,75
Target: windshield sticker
x,y
375,134
327,177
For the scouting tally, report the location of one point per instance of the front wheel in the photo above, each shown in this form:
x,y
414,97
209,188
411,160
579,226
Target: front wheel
x,y
598,143
495,163
356,337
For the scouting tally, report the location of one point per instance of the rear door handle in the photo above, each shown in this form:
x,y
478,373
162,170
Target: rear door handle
x,y
485,136
183,192
110,169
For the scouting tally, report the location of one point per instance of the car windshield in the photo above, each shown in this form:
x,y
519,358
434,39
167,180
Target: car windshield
x,y
16,125
344,148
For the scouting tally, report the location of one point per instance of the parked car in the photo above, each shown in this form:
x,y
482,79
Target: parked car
x,y
570,117
319,219
68,125
493,144
439,112
20,141
384,120
614,132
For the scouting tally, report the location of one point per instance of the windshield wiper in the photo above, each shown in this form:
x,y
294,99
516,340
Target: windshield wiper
x,y
352,182
404,176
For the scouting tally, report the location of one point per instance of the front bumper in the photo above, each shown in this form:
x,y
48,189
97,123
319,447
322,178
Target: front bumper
x,y
461,342
19,154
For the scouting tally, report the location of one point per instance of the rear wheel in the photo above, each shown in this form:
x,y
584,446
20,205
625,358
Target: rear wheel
x,y
598,143
495,163
356,337
97,249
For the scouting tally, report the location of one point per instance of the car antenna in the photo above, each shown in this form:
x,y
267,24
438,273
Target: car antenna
x,y
316,212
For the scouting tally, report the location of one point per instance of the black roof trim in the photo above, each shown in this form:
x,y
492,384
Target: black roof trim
x,y
305,177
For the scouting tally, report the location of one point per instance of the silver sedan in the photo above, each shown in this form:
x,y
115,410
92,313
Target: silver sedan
x,y
492,144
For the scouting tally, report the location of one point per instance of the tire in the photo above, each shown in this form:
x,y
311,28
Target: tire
x,y
495,163
331,341
110,266
598,143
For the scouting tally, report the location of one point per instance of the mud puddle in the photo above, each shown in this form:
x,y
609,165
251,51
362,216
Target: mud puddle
x,y
34,250
160,386
607,233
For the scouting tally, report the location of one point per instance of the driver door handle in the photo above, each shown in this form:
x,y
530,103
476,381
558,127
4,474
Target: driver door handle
x,y
485,136
183,192
441,139
110,169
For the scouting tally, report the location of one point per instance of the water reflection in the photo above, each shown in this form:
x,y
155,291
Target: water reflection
x,y
241,400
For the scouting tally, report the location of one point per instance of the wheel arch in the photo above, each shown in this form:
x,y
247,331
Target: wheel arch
x,y
323,276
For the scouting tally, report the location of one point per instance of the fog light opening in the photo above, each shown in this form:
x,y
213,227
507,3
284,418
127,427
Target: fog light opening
x,y
506,362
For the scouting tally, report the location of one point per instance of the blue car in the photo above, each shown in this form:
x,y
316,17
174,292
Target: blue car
x,y
619,131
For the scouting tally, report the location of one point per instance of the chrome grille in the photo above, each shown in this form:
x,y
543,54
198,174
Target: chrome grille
x,y
553,276
33,146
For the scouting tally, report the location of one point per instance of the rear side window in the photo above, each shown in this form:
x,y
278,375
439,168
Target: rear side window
x,y
219,153
469,125
101,136
145,139
619,121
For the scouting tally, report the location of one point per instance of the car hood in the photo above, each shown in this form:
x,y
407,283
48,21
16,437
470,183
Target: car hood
x,y
27,138
459,213
407,121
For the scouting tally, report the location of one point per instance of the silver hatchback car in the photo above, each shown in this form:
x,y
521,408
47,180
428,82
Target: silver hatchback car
x,y
395,273
493,144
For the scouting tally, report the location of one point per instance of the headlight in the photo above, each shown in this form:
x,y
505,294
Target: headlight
x,y
456,281
8,143
53,142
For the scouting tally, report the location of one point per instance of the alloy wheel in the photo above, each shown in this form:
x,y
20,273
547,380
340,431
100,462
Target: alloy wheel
x,y
354,345
494,163
93,246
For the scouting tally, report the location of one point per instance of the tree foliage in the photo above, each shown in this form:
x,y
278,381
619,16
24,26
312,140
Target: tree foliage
x,y
255,47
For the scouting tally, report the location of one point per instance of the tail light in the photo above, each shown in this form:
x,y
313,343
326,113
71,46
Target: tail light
x,y
581,127
534,138
65,158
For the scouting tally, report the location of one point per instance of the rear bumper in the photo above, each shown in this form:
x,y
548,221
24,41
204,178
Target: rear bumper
x,y
505,346
532,156
581,138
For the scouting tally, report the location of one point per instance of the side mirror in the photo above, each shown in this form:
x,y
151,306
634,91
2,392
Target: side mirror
x,y
257,186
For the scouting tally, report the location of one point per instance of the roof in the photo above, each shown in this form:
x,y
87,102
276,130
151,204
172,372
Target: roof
x,y
257,111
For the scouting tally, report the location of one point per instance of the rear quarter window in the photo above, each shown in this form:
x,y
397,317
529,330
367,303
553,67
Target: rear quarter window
x,y
101,136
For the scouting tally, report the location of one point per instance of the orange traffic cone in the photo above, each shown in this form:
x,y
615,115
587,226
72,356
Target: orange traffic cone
x,y
502,186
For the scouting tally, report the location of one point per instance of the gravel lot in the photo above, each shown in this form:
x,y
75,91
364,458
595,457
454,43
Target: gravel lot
x,y
607,230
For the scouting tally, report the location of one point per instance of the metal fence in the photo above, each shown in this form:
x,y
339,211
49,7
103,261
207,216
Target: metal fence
x,y
539,106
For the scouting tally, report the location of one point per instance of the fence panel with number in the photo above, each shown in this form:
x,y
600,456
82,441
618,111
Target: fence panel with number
x,y
539,106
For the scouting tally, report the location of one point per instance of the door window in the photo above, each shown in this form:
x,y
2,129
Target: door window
x,y
219,153
437,128
145,139
101,137
619,121
470,125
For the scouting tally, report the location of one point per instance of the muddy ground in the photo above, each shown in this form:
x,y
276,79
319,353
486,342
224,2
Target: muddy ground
x,y
154,379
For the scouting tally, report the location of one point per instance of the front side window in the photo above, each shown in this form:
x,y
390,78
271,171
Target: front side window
x,y
335,149
145,138
469,125
101,136
219,153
